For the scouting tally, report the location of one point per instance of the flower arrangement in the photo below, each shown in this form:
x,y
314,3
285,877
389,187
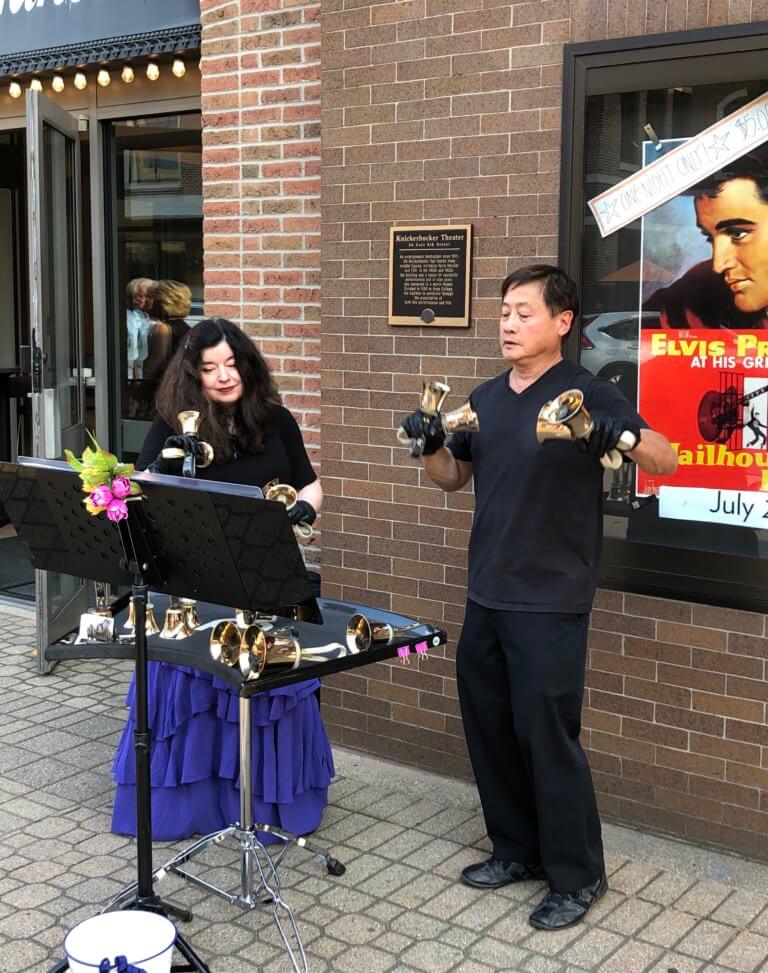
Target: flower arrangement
x,y
106,481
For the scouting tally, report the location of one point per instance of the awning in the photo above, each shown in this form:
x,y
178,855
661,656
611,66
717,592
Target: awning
x,y
37,36
94,52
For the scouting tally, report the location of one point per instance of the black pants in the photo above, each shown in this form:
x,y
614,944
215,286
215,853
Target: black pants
x,y
521,683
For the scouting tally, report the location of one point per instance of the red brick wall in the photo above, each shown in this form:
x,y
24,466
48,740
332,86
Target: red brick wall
x,y
449,110
260,66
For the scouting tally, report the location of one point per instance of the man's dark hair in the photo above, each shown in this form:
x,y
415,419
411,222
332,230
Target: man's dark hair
x,y
753,166
558,290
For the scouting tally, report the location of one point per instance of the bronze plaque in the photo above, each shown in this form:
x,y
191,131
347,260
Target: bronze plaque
x,y
429,275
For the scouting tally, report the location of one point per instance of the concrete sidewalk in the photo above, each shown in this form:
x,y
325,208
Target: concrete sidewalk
x,y
403,835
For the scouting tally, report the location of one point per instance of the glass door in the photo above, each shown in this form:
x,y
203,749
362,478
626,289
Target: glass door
x,y
56,325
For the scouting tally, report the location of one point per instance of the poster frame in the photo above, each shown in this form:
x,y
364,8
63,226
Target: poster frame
x,y
735,53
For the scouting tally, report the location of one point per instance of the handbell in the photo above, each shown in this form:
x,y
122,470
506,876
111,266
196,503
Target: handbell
x,y
189,609
287,495
433,394
463,419
224,643
190,424
566,417
175,623
362,633
259,649
150,622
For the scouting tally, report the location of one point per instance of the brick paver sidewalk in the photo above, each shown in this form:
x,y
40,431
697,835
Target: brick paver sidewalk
x,y
403,835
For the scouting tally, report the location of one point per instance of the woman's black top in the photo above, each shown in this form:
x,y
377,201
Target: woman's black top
x,y
283,457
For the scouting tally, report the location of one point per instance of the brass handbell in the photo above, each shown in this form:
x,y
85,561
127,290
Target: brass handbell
x,y
463,419
175,624
190,424
150,622
362,633
260,649
287,495
189,609
224,643
433,394
102,600
566,417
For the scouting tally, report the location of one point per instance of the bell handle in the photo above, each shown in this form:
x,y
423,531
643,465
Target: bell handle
x,y
304,531
612,460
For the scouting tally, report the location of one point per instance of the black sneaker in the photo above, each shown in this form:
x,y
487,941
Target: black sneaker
x,y
494,873
559,910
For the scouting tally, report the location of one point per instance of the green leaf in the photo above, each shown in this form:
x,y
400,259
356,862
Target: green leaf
x,y
73,461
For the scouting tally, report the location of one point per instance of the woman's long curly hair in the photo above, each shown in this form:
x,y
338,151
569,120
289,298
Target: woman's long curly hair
x,y
181,390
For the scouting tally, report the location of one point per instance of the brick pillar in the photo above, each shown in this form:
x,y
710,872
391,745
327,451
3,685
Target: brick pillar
x,y
260,66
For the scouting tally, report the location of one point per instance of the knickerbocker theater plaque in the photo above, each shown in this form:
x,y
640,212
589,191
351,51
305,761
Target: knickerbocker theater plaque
x,y
429,275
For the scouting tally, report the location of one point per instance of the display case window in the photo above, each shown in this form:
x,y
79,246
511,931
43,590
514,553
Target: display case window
x,y
664,224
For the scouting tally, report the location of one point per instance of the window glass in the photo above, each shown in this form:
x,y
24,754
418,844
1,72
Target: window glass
x,y
670,273
158,211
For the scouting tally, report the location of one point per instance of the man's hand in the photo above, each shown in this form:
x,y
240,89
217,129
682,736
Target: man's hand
x,y
302,513
426,433
610,434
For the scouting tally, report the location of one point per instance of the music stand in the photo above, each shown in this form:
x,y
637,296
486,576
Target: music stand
x,y
184,537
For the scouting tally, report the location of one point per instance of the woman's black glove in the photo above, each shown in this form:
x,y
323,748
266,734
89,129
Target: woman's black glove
x,y
607,434
426,433
189,446
302,513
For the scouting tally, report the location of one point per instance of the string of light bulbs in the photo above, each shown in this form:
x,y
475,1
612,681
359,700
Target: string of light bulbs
x,y
103,78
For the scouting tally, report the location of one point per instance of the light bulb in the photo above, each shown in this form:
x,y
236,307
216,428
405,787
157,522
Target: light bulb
x,y
153,71
57,83
14,89
35,84
179,68
80,81
104,78
127,74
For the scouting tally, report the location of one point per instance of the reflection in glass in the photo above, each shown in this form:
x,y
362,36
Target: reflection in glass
x,y
159,257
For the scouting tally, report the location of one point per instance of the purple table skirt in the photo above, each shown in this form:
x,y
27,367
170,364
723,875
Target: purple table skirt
x,y
194,760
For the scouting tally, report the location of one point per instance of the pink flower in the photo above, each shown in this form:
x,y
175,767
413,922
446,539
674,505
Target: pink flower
x,y
101,496
117,510
121,487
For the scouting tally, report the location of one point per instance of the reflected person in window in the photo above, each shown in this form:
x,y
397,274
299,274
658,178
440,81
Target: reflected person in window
x,y
731,289
171,303
138,324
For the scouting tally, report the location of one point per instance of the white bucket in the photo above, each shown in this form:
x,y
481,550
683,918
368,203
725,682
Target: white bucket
x,y
145,939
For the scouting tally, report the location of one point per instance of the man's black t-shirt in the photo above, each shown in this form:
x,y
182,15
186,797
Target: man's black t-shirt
x,y
537,528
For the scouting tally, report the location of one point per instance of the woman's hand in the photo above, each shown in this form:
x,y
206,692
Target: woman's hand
x,y
302,512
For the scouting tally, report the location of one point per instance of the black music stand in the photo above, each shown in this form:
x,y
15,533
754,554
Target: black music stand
x,y
184,537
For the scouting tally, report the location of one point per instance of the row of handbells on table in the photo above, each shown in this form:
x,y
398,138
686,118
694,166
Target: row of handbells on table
x,y
250,642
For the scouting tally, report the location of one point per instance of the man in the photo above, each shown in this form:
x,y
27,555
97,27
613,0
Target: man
x,y
731,289
138,323
533,568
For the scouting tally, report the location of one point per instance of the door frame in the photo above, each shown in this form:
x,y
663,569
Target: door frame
x,y
46,424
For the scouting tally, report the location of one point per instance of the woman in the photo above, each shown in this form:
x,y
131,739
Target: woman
x,y
171,302
193,716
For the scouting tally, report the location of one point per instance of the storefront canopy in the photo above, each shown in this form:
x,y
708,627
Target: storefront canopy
x,y
40,35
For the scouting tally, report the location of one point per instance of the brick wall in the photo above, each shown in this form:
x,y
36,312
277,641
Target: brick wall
x,y
449,110
260,66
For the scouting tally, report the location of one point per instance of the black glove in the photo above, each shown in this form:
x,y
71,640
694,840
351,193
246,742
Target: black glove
x,y
426,430
302,513
606,433
173,465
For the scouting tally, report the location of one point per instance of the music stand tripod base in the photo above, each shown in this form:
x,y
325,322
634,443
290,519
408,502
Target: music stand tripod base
x,y
254,857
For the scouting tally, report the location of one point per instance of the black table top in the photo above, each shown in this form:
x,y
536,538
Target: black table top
x,y
194,651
